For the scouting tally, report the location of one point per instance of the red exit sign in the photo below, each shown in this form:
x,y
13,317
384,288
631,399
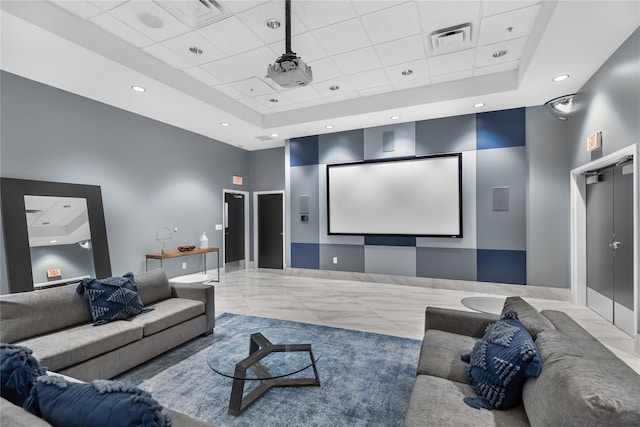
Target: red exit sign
x,y
54,272
594,141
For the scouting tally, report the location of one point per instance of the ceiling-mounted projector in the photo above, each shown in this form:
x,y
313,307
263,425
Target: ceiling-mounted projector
x,y
289,70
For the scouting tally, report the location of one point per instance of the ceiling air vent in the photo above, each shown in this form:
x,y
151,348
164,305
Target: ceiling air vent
x,y
451,39
194,13
264,138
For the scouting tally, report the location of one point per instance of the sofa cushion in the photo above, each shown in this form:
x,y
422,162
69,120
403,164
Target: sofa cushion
x,y
439,402
153,286
100,403
15,416
500,363
440,354
18,371
27,314
576,389
168,313
528,315
68,347
113,298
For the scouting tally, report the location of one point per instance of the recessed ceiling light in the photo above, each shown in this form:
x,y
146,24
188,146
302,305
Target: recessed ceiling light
x,y
499,53
329,126
334,87
561,77
196,50
274,135
225,124
273,23
274,100
407,72
478,105
395,117
138,88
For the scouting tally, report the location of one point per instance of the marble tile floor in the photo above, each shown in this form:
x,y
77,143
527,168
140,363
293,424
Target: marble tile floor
x,y
392,309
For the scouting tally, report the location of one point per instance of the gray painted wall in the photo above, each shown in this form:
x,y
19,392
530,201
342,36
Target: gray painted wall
x,y
608,102
72,260
152,174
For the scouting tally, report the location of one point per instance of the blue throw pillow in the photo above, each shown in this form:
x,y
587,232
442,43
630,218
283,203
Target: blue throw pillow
x,y
18,371
100,403
500,363
114,298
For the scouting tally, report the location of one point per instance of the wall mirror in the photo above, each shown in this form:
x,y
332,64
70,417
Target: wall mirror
x,y
54,233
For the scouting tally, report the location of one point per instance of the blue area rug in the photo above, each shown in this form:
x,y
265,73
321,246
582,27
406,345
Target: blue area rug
x,y
366,380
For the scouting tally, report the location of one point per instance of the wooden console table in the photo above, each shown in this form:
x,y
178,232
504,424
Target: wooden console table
x,y
177,254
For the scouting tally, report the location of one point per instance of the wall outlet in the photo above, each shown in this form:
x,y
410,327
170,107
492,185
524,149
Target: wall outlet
x,y
184,265
335,259
218,227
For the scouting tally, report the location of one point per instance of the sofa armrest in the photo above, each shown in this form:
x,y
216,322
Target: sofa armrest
x,y
459,322
199,292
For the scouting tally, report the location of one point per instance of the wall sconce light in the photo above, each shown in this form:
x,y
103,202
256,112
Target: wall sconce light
x,y
161,237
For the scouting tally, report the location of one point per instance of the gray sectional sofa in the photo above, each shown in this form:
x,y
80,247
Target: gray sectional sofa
x,y
582,382
57,325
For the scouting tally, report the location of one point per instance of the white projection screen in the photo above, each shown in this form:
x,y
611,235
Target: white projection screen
x,y
416,197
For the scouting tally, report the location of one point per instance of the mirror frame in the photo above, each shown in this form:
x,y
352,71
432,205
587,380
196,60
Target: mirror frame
x,y
16,236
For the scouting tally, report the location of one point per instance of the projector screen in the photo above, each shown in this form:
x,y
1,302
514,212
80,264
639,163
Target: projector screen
x,y
415,197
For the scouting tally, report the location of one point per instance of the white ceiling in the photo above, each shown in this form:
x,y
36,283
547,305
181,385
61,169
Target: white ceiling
x,y
100,48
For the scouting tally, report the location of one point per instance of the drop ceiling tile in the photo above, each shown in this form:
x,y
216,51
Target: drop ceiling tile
x,y
341,82
420,70
375,90
256,18
122,30
507,26
180,45
452,62
315,14
436,15
149,19
498,68
452,76
399,51
342,37
165,55
391,24
369,79
230,91
107,4
364,7
83,9
237,6
274,100
305,45
201,75
301,94
283,108
253,104
253,87
514,48
243,66
357,61
411,84
230,35
494,7
312,103
343,97
324,69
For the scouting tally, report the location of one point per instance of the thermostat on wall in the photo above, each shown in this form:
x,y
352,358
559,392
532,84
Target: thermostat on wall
x,y
594,141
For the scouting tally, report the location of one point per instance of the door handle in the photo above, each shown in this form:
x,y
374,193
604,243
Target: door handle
x,y
615,245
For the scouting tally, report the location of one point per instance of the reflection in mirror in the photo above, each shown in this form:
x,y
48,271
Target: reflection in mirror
x,y
59,239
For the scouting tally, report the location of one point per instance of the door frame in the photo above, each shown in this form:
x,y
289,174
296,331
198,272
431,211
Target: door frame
x,y
255,226
578,224
226,191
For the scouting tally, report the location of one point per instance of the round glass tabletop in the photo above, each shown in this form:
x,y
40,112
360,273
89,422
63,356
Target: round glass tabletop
x,y
265,353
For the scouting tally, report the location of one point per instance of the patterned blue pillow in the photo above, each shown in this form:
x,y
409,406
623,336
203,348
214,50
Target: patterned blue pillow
x,y
100,403
500,363
18,370
114,298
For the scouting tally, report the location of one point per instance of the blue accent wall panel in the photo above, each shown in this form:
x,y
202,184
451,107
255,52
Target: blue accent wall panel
x,y
305,255
390,240
500,129
304,151
502,266
341,147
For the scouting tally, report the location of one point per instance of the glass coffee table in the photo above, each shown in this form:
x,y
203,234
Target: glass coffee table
x,y
272,356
